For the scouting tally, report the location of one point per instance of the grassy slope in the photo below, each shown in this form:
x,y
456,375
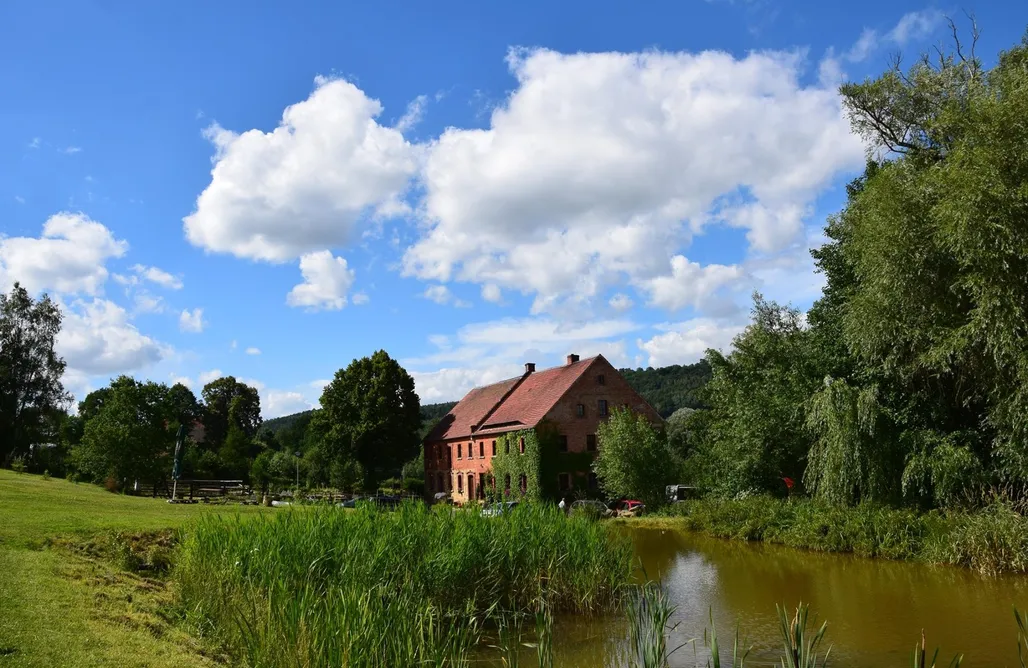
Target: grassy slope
x,y
58,609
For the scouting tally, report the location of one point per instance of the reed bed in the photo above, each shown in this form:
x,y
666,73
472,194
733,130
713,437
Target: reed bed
x,y
414,586
990,540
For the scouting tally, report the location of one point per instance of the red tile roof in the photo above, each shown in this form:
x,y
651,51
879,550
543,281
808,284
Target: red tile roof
x,y
530,398
475,405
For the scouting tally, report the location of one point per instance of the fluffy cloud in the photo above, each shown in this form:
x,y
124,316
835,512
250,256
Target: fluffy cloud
x,y
96,338
686,342
253,351
158,276
326,280
492,293
305,185
441,294
690,284
620,302
276,403
69,257
600,166
147,303
191,321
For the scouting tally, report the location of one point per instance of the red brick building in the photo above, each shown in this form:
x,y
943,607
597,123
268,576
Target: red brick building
x,y
572,399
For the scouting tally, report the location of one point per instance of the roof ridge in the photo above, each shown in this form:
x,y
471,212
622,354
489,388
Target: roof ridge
x,y
499,402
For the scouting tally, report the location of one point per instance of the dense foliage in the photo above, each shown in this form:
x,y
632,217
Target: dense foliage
x,y
31,394
367,426
633,460
670,388
908,383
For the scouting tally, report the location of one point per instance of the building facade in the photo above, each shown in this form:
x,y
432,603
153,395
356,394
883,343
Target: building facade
x,y
570,400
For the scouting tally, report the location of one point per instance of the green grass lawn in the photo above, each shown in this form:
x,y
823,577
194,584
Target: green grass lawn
x,y
61,608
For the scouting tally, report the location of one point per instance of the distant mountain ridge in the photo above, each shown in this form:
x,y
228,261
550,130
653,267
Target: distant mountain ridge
x,y
666,389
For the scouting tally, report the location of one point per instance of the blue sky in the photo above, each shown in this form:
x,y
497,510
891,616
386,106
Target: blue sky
x,y
270,190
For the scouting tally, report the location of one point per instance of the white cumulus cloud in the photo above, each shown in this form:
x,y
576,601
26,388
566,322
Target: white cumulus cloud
x,y
68,257
686,342
305,185
191,321
253,351
97,338
600,167
326,281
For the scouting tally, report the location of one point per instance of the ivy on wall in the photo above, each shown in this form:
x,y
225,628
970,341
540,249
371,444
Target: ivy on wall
x,y
540,463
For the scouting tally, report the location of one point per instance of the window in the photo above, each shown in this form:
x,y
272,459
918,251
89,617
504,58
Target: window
x,y
521,444
506,446
564,481
563,443
590,442
600,380
471,485
506,483
481,449
460,483
460,451
494,448
580,410
439,452
594,482
523,483
603,407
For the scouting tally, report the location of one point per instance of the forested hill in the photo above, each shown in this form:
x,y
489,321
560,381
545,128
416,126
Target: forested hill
x,y
671,387
667,389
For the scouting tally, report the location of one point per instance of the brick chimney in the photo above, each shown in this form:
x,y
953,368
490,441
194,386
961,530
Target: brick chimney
x,y
529,367
572,358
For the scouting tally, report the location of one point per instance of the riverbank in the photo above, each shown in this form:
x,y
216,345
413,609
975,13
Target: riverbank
x,y
68,598
991,540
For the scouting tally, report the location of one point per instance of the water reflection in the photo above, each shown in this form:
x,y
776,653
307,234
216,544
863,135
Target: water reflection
x,y
875,609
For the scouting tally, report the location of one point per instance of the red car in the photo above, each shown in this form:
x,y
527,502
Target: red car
x,y
629,508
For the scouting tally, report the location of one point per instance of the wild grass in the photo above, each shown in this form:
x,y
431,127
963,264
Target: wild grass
x,y
991,540
376,588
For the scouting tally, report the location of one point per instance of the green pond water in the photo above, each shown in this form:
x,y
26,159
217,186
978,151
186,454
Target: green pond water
x,y
875,609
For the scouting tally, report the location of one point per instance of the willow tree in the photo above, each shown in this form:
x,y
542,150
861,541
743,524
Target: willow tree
x,y
939,242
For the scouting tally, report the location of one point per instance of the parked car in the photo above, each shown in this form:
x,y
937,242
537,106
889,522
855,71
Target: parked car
x,y
681,493
499,508
351,502
591,507
385,501
630,508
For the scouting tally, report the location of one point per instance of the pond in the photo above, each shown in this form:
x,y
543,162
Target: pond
x,y
875,609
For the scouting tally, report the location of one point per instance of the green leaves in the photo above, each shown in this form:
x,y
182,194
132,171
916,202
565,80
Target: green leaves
x,y
31,393
633,459
369,421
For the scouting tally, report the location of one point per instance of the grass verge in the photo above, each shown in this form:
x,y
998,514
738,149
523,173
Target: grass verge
x,y
82,577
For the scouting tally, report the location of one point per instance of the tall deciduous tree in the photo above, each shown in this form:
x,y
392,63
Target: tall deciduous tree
x,y
369,420
30,372
633,460
228,402
131,436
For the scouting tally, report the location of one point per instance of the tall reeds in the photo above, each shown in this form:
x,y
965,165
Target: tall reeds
x,y
374,588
